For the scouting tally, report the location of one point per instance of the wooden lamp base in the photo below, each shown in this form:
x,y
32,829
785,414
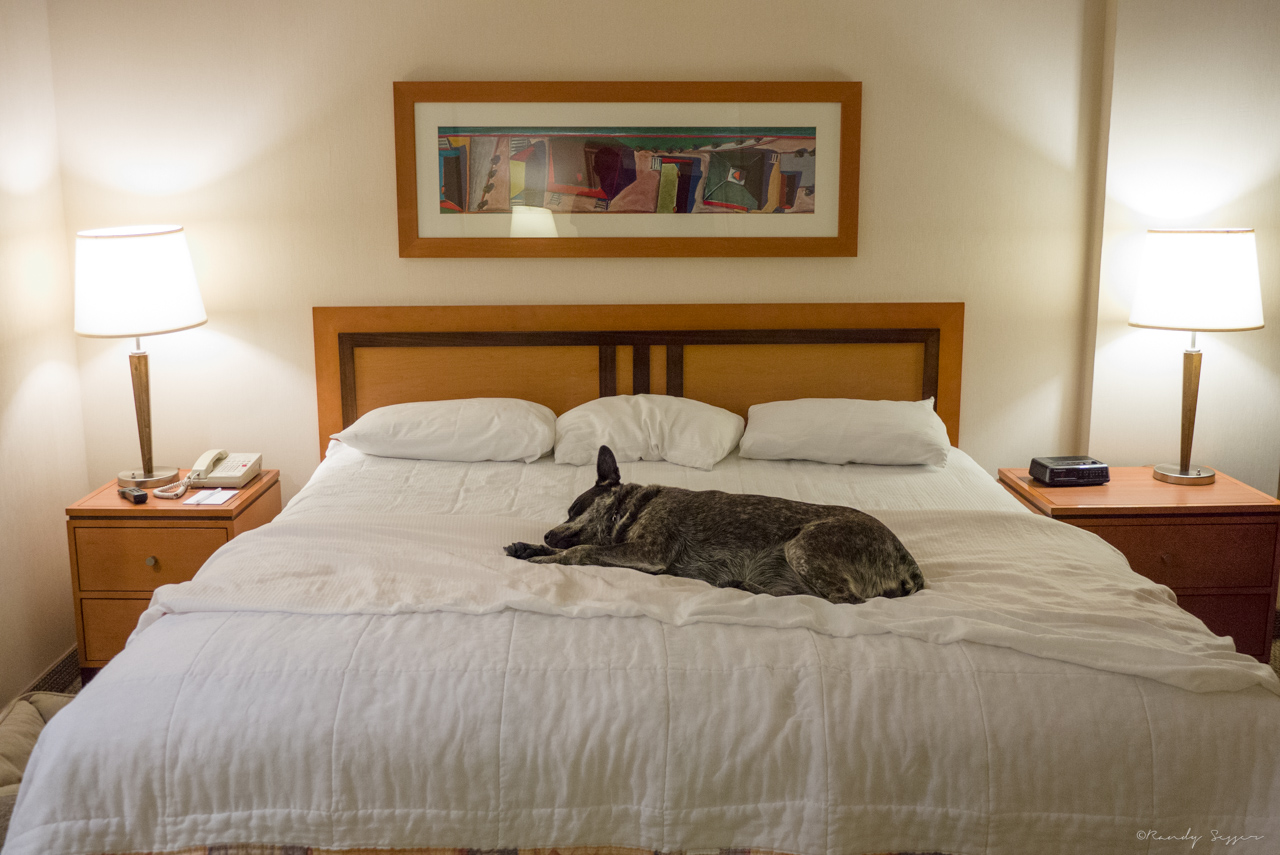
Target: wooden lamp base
x,y
149,476
1184,472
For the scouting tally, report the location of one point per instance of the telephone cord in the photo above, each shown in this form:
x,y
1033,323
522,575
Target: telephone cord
x,y
176,490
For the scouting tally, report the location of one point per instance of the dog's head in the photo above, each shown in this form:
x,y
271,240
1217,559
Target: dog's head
x,y
592,515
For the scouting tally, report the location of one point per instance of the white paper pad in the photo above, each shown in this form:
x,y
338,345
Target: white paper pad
x,y
211,497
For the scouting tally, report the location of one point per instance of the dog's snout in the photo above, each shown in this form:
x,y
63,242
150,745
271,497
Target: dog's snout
x,y
556,539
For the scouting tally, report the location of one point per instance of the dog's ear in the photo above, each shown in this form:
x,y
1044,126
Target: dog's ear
x,y
607,471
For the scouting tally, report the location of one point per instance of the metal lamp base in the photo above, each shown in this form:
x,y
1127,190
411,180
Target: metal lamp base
x,y
1193,475
157,477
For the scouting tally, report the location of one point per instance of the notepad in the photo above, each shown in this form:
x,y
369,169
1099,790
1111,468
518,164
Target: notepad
x,y
211,497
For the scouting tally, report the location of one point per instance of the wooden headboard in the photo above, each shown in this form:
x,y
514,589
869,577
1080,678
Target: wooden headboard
x,y
730,355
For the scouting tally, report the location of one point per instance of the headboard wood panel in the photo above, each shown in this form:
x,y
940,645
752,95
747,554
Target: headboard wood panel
x,y
730,355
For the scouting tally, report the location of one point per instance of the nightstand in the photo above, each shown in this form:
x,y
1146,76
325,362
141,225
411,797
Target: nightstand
x,y
121,552
1214,545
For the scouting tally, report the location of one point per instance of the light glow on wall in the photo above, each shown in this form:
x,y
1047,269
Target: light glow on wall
x,y
1195,115
27,163
1173,188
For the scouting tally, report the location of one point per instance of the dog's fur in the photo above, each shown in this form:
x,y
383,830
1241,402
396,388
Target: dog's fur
x,y
757,543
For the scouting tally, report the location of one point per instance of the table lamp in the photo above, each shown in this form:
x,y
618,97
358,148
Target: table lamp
x,y
1201,281
130,282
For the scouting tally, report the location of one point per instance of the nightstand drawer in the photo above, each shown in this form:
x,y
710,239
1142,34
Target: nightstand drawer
x,y
1244,617
107,624
1197,556
115,559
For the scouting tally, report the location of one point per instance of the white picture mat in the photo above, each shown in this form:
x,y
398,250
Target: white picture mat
x,y
824,116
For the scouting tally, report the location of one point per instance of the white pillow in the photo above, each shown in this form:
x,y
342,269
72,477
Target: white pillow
x,y
648,427
844,430
466,429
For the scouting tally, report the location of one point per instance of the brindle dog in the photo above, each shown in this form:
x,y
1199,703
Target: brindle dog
x,y
756,543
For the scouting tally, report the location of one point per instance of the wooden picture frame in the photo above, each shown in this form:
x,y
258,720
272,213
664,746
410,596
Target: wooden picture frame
x,y
645,169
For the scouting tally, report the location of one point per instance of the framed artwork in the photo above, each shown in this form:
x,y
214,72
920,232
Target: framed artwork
x,y
541,169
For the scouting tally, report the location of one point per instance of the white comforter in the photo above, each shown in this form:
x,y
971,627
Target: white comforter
x,y
371,670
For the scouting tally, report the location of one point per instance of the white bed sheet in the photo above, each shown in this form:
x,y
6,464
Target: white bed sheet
x,y
458,700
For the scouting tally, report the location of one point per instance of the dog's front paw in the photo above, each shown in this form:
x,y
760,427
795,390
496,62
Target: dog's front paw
x,y
526,551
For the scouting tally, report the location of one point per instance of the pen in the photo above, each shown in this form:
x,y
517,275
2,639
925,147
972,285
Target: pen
x,y
210,496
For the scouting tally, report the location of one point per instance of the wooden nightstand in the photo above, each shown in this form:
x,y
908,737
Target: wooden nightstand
x,y
121,552
1214,545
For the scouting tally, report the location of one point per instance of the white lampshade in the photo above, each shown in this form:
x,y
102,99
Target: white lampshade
x,y
1199,280
135,281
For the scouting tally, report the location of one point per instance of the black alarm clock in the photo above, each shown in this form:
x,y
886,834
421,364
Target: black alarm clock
x,y
1069,471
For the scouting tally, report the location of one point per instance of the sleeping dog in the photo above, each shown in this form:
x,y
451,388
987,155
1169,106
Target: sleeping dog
x,y
756,543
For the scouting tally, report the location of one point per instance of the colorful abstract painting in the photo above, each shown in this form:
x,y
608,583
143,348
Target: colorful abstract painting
x,y
631,170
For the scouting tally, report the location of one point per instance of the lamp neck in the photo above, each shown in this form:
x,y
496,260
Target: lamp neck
x,y
137,343
1193,348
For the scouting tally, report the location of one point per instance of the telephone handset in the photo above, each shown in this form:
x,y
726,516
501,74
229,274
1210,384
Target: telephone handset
x,y
204,463
216,468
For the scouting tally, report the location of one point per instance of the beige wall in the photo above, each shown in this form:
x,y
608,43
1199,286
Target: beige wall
x,y
1195,143
42,456
266,129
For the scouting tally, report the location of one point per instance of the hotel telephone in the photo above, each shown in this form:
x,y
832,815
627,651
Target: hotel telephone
x,y
216,468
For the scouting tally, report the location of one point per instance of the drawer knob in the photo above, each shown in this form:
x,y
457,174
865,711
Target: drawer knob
x,y
152,561
1166,559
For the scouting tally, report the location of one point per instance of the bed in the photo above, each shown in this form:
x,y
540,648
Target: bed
x,y
370,672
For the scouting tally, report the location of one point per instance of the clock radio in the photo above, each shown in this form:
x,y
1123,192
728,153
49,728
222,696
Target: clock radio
x,y
1069,471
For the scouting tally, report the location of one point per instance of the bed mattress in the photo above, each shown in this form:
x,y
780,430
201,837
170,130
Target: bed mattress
x,y
370,670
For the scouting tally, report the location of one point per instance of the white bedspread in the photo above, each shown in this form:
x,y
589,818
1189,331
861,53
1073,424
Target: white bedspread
x,y
371,670
1075,600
